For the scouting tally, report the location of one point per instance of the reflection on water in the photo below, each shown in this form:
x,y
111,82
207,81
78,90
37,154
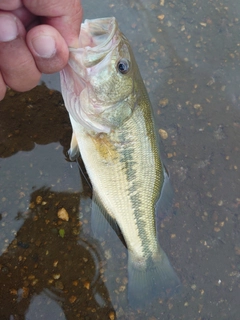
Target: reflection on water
x,y
41,265
48,268
188,53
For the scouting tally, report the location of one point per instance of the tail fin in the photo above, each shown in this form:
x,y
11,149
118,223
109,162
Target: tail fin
x,y
151,279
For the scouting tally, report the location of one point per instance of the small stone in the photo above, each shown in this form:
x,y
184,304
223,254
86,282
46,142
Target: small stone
x,y
55,263
211,82
111,315
34,282
163,102
197,106
108,254
122,288
38,200
63,214
161,17
72,299
87,285
13,291
56,276
25,292
163,134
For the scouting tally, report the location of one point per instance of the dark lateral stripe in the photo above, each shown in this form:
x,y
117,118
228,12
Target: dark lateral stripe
x,y
127,156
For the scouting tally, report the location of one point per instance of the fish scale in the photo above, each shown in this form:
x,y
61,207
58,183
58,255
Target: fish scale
x,y
133,162
119,149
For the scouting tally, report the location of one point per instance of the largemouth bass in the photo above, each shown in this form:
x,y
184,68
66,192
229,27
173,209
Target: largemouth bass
x,y
113,130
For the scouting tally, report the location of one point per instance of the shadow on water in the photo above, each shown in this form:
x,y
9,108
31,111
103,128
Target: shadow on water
x,y
41,268
48,268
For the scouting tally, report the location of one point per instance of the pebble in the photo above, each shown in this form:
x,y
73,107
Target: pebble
x,y
38,200
63,214
163,134
220,203
87,285
111,315
163,102
25,292
161,17
72,299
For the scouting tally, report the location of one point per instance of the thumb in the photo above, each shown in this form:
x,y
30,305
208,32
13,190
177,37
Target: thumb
x,y
48,48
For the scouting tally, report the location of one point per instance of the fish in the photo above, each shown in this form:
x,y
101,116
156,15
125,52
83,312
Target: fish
x,y
113,131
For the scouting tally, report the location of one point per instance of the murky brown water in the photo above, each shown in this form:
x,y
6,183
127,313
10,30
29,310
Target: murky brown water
x,y
188,53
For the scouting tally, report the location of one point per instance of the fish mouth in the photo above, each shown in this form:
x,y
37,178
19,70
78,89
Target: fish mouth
x,y
97,32
98,37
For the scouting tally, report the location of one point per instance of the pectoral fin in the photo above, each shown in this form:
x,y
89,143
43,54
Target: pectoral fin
x,y
73,152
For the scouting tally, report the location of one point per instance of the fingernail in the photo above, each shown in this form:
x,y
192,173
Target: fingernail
x,y
44,46
8,28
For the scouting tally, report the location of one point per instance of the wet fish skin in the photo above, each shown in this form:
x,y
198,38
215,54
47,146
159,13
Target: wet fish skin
x,y
113,130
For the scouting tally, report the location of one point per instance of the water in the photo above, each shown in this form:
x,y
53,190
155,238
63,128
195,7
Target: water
x,y
188,54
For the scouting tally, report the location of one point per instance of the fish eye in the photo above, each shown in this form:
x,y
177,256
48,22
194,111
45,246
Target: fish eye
x,y
123,66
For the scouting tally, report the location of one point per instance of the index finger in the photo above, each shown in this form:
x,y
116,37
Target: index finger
x,y
65,16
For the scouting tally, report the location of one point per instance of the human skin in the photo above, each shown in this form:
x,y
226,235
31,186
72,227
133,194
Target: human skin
x,y
34,39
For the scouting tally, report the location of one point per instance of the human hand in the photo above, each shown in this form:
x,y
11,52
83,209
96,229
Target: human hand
x,y
34,39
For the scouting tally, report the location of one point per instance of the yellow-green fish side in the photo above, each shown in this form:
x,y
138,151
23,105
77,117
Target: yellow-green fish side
x,y
127,176
113,129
